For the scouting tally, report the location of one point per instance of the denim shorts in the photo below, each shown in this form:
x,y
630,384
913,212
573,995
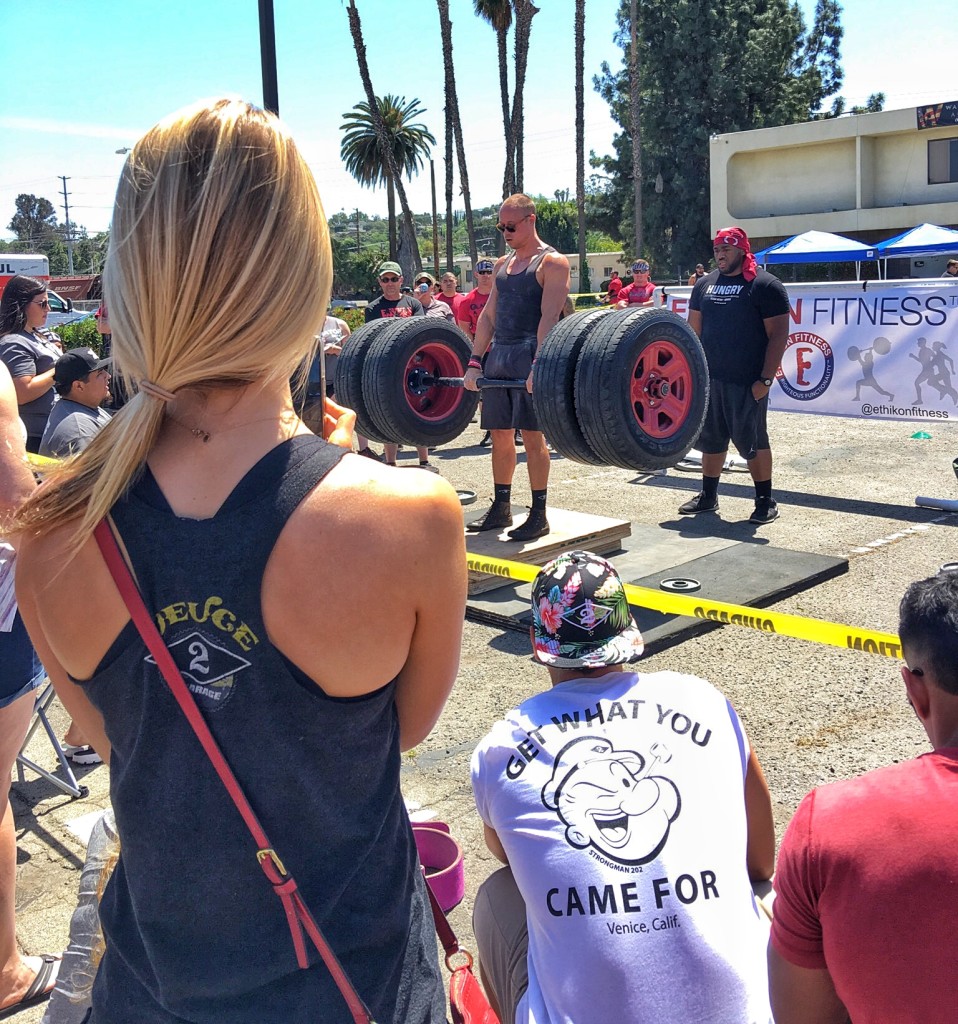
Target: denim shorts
x,y
20,668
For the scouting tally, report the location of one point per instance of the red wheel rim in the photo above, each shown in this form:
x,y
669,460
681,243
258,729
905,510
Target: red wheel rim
x,y
661,389
436,402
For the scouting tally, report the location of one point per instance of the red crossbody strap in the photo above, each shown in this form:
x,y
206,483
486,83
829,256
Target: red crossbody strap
x,y
443,928
299,918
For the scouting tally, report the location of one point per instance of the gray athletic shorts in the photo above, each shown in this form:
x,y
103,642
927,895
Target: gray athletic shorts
x,y
502,938
733,415
509,408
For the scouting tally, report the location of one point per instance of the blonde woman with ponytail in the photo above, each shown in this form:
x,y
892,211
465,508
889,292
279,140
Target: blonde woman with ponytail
x,y
312,599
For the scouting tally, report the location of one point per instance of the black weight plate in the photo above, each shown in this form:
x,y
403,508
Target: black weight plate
x,y
680,585
641,389
412,413
348,384
553,385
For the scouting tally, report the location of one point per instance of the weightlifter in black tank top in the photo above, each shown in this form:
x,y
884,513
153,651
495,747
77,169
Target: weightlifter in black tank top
x,y
529,289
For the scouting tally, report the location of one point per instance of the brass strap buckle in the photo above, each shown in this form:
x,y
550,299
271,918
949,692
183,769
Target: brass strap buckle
x,y
272,855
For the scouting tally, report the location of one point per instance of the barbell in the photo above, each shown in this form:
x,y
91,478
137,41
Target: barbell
x,y
625,388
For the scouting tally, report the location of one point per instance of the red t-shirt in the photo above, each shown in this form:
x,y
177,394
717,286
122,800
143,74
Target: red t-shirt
x,y
635,293
452,301
470,306
615,286
867,886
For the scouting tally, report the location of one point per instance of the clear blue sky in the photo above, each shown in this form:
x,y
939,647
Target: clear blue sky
x,y
103,71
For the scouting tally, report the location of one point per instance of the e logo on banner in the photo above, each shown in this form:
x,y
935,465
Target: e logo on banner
x,y
807,367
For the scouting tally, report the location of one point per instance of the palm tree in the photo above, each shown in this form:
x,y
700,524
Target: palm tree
x,y
452,108
584,284
634,115
525,12
407,253
409,144
498,13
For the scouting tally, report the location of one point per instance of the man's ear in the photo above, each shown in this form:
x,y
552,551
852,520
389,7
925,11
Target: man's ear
x,y
917,690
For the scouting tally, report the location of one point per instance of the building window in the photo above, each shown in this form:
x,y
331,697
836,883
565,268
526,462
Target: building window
x,y
607,271
942,161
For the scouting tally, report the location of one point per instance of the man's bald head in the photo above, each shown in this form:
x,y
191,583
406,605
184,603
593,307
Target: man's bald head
x,y
521,203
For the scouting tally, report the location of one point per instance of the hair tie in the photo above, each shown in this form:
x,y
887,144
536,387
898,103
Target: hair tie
x,y
155,391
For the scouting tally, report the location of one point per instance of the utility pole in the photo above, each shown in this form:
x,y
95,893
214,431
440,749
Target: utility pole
x,y
69,230
435,222
357,230
267,50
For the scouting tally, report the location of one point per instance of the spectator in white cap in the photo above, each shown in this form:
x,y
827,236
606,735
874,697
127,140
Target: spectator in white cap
x,y
632,816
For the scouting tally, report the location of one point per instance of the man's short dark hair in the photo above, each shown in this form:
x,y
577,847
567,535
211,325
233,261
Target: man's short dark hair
x,y
928,627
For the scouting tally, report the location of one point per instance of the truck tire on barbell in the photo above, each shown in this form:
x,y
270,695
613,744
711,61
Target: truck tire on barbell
x,y
348,380
624,388
553,386
641,389
417,412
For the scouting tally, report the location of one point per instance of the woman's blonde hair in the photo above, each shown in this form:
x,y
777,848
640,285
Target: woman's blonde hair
x,y
218,275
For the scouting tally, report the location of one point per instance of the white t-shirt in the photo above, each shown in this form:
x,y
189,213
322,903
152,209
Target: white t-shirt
x,y
619,801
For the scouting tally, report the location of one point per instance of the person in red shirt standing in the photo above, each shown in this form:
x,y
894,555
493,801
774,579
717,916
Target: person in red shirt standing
x,y
864,924
640,291
615,286
448,293
471,305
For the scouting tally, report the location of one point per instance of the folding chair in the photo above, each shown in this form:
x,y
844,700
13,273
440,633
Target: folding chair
x,y
70,786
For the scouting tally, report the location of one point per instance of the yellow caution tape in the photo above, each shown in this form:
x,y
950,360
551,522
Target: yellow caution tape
x,y
816,630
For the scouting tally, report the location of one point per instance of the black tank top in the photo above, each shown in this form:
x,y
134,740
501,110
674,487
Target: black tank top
x,y
193,931
518,301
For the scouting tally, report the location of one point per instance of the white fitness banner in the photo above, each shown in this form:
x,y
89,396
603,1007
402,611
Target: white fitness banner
x,y
877,349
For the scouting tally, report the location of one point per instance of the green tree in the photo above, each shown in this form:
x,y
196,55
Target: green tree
x,y
557,223
705,67
35,220
409,144
580,142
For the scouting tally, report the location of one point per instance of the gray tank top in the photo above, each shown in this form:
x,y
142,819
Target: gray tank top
x,y
518,301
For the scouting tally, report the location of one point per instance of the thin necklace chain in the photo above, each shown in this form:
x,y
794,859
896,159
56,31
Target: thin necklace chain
x,y
201,434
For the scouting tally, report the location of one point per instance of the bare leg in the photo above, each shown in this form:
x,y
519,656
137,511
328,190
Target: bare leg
x,y
713,462
537,459
761,466
16,974
391,451
503,456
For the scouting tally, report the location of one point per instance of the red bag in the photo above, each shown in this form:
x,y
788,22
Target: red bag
x,y
467,1001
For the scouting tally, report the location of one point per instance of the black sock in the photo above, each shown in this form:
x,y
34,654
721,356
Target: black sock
x,y
539,500
503,494
710,486
763,488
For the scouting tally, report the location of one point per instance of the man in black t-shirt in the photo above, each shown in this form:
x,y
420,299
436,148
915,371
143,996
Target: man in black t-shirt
x,y
740,313
392,303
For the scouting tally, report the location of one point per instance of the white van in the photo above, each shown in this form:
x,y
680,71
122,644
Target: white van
x,y
37,265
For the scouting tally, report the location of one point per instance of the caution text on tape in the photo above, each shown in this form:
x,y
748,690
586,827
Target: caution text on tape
x,y
833,634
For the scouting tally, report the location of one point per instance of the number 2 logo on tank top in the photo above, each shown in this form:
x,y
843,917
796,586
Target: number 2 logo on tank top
x,y
208,668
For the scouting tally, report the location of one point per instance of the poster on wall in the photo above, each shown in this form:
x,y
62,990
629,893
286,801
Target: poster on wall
x,y
885,350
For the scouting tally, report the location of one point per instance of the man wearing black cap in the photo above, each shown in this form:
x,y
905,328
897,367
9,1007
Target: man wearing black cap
x,y
83,384
632,815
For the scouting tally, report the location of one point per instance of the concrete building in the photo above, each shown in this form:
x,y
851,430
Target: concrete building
x,y
870,176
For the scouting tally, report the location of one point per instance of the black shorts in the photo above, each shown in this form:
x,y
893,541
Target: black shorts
x,y
509,408
734,415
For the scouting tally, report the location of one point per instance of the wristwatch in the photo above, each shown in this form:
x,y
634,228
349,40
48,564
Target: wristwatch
x,y
767,381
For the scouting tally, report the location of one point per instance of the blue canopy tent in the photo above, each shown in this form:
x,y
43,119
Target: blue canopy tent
x,y
924,240
818,247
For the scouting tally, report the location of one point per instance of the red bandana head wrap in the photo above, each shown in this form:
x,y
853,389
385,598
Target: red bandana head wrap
x,y
738,238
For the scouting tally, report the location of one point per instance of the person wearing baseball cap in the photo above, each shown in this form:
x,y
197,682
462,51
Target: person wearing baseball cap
x,y
632,816
740,313
641,290
82,381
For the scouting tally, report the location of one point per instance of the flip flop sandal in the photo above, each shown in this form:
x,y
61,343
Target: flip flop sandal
x,y
84,754
40,988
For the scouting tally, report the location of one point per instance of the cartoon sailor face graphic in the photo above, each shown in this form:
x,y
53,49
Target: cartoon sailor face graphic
x,y
607,800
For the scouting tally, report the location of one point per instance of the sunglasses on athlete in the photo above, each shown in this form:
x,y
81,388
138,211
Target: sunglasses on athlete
x,y
390,280
512,227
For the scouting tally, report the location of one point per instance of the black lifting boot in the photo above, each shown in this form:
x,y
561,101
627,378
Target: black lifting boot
x,y
498,517
535,526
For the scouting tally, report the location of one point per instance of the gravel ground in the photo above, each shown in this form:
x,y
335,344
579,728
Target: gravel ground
x,y
813,713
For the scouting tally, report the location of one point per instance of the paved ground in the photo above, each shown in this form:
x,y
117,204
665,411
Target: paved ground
x,y
813,713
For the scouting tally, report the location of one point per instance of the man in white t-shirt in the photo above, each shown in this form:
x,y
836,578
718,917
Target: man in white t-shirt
x,y
632,815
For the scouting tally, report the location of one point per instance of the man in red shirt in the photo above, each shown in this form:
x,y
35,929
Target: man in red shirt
x,y
640,291
615,286
867,879
472,303
448,284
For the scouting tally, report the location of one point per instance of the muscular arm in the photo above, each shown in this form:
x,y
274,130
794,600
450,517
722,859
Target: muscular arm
x,y
801,995
776,328
695,321
555,290
16,480
760,849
